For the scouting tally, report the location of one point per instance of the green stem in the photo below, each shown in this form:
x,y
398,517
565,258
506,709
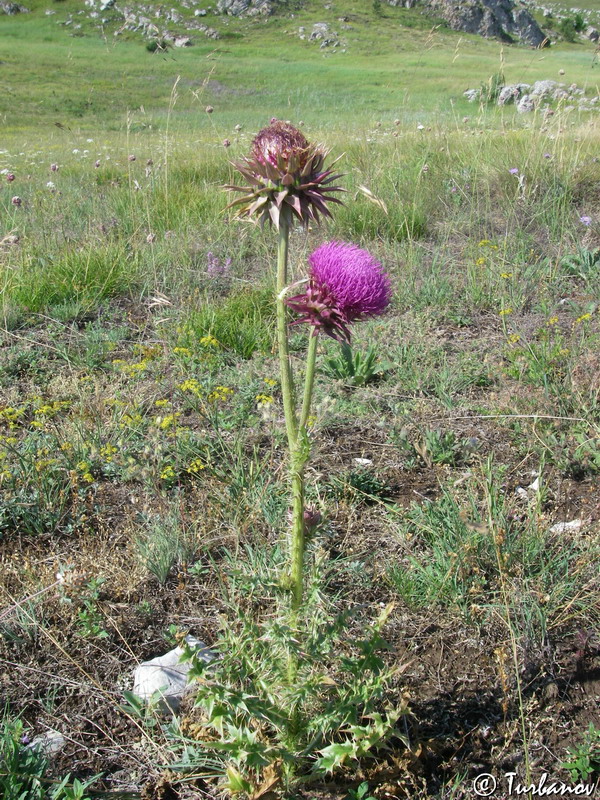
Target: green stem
x,y
311,360
299,458
285,367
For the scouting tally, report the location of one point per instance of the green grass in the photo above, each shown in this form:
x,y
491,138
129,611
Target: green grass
x,y
414,73
140,407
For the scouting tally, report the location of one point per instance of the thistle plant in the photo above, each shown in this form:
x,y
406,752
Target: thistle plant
x,y
287,180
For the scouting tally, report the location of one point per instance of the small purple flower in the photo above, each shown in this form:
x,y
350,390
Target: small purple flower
x,y
10,177
16,201
53,167
131,157
547,155
513,171
214,268
345,284
587,221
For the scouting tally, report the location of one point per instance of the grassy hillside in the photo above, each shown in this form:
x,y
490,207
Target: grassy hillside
x,y
396,65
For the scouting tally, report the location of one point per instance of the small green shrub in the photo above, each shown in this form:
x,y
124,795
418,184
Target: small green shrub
x,y
567,29
361,485
492,88
367,221
281,704
436,447
83,276
242,323
584,758
22,769
583,263
355,369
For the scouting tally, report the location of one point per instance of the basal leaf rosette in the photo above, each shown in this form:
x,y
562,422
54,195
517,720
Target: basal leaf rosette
x,y
285,173
345,284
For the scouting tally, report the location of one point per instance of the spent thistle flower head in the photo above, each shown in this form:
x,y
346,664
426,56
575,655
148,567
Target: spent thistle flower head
x,y
345,284
286,175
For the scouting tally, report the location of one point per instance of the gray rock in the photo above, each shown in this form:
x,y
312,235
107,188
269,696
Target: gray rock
x,y
525,104
322,33
500,19
592,34
166,677
200,12
49,743
106,4
567,527
12,8
472,95
247,8
544,88
182,41
508,94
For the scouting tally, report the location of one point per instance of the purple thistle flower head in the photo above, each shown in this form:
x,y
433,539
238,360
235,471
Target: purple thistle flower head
x,y
513,171
585,220
286,176
345,284
280,140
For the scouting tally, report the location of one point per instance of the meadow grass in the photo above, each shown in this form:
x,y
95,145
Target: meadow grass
x,y
142,449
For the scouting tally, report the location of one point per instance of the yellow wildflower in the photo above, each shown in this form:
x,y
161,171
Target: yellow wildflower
x,y
209,341
191,385
582,318
195,466
42,463
220,393
147,351
505,311
480,262
514,338
161,403
264,399
164,423
484,243
552,321
182,351
506,275
270,382
168,473
108,452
